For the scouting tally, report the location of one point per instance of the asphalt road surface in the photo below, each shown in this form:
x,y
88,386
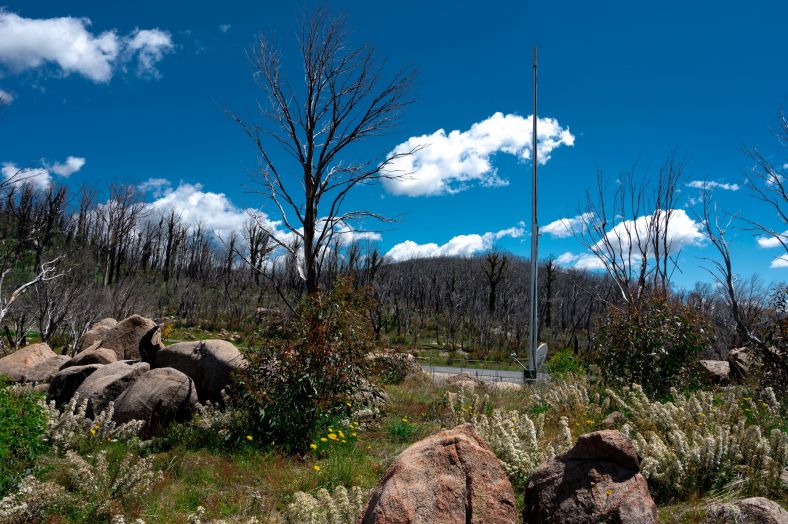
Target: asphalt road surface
x,y
441,373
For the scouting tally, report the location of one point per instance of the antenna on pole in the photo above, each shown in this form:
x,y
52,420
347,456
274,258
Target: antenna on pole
x,y
533,330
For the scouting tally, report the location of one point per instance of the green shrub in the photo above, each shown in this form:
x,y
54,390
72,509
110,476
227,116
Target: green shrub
x,y
401,429
564,362
23,425
650,343
296,386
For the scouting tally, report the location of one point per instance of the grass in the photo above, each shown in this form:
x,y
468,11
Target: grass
x,y
253,480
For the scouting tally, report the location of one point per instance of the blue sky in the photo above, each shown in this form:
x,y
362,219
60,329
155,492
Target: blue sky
x,y
632,82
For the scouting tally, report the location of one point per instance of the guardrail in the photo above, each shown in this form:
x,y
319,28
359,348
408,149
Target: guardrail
x,y
486,374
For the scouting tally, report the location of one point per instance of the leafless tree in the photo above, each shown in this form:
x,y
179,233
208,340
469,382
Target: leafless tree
x,y
494,265
47,272
722,271
768,185
343,101
630,233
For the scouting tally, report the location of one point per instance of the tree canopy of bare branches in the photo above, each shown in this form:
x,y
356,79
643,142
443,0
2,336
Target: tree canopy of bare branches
x,y
343,100
630,233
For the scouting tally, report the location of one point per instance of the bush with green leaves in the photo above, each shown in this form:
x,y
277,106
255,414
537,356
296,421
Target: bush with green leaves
x,y
23,428
651,343
295,386
563,362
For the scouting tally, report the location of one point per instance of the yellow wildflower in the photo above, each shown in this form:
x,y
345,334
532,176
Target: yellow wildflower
x,y
323,439
249,438
332,436
341,435
313,446
316,467
353,434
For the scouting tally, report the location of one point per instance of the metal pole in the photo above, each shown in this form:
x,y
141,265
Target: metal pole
x,y
534,324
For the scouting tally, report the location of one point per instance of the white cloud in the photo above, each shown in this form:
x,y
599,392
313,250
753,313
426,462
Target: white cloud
x,y
773,179
38,177
710,184
449,163
567,227
459,246
682,231
150,46
772,241
585,261
225,28
214,211
69,167
779,262
156,186
28,43
6,97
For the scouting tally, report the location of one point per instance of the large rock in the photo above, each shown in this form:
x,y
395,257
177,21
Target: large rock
x,y
44,371
451,477
504,386
133,338
715,371
463,381
393,367
158,397
754,510
107,383
598,480
741,362
369,401
67,381
97,332
92,355
209,363
20,364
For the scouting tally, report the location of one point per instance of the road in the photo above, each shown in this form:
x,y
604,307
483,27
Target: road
x,y
441,373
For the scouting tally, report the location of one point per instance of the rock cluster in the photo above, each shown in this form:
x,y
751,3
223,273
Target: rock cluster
x,y
598,480
451,477
125,363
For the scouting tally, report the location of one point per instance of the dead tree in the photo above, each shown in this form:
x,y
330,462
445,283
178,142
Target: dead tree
x,y
343,101
770,187
494,266
630,234
46,273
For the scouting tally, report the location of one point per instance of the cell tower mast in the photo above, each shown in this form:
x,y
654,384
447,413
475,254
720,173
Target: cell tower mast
x,y
533,330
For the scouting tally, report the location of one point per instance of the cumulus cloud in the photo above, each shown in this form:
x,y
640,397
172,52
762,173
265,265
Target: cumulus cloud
x,y
682,231
585,261
567,227
69,167
149,46
213,211
30,43
779,262
772,241
459,246
5,97
710,184
444,163
38,177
